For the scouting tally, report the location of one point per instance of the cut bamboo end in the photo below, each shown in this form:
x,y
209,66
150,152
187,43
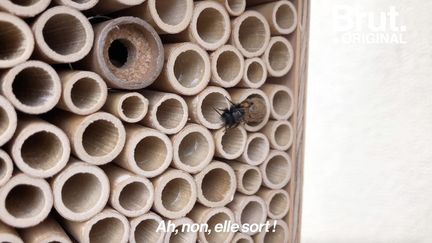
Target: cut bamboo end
x,y
144,229
193,148
186,71
280,233
249,178
130,107
277,201
227,66
210,26
175,194
47,231
30,95
276,170
242,238
280,134
167,112
240,95
80,191
25,201
256,150
281,100
255,73
248,210
250,33
97,138
9,234
147,152
110,6
230,143
131,195
62,35
212,217
6,167
203,107
24,9
83,92
216,184
279,56
167,17
39,148
17,42
281,15
127,53
108,226
181,236
80,5
234,7
8,120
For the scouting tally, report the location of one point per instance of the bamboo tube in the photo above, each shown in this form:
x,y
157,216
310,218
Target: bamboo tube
x,y
97,138
130,107
109,6
131,195
256,150
143,229
279,56
39,148
250,33
280,134
230,143
248,210
240,95
181,236
211,217
166,16
255,73
80,5
47,231
24,9
216,184
227,66
80,191
167,112
62,35
276,169
193,148
108,226
203,107
209,27
281,101
175,193
25,201
147,152
234,7
280,234
186,70
242,238
249,178
8,120
33,87
16,40
83,92
277,201
6,167
281,16
127,53
250,3
9,234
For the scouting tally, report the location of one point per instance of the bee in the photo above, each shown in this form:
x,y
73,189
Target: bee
x,y
251,110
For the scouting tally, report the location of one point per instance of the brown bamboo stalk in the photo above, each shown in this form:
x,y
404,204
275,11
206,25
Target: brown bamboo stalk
x,y
276,169
8,118
279,56
277,201
79,5
9,234
280,134
24,9
6,167
181,236
234,7
130,107
242,238
255,73
230,143
144,229
227,66
109,6
281,101
248,210
249,178
281,15
281,233
256,150
47,231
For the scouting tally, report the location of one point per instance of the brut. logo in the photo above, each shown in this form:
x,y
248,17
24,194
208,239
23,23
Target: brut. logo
x,y
368,27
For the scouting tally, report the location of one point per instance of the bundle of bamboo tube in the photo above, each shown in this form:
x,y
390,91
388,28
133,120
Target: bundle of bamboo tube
x,y
109,121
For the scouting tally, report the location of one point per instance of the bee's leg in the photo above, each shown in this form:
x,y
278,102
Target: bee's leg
x,y
217,111
230,101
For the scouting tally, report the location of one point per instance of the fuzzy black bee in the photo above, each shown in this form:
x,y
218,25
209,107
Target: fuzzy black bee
x,y
250,110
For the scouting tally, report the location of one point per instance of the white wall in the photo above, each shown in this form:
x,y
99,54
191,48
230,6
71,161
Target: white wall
x,y
368,168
